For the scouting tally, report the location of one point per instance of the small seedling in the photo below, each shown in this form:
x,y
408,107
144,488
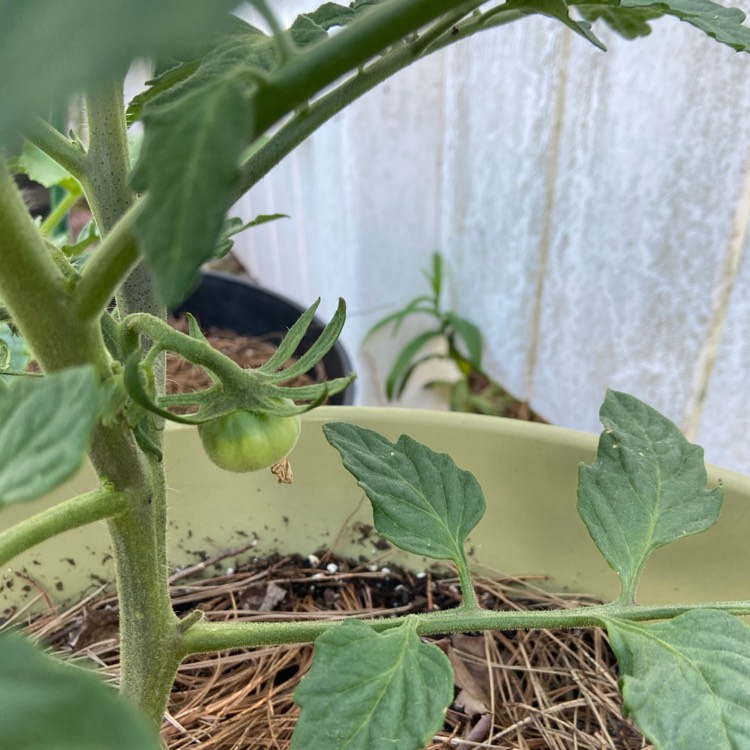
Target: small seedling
x,y
460,342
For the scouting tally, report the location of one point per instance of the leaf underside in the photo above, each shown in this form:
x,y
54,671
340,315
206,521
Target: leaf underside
x,y
723,24
189,165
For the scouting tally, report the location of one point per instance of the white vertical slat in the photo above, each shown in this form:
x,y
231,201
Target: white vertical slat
x,y
726,407
501,94
647,193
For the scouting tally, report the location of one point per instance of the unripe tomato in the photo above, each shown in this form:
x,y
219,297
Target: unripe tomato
x,y
247,441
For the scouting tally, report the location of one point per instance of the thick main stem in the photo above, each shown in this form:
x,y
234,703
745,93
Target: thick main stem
x,y
107,190
37,295
148,626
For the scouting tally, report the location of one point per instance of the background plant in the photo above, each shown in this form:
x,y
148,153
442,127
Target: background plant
x,y
461,343
229,101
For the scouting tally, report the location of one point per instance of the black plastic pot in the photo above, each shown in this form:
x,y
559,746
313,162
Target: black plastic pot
x,y
227,301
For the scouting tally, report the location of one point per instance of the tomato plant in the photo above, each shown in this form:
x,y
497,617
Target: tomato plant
x,y
229,101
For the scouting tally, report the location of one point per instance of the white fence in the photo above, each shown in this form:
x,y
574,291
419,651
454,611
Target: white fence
x,y
593,209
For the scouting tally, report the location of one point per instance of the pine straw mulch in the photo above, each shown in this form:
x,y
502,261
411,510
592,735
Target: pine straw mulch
x,y
522,690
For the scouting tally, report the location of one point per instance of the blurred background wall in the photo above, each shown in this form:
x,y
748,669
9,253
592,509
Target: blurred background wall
x,y
593,210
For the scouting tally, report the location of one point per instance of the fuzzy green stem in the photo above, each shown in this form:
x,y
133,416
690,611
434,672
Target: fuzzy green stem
x,y
206,637
107,189
36,293
107,164
71,514
320,65
148,626
58,214
32,286
195,350
110,264
66,153
468,594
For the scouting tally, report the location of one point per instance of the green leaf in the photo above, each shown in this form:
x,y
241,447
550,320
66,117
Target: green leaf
x,y
309,28
416,306
686,682
50,50
368,690
235,225
470,335
45,428
247,48
305,31
45,170
329,15
48,705
4,355
558,9
646,488
157,86
629,16
189,166
409,371
398,376
87,237
629,23
436,278
16,347
174,69
238,47
422,502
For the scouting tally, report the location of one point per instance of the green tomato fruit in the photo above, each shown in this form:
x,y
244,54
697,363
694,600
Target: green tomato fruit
x,y
247,441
